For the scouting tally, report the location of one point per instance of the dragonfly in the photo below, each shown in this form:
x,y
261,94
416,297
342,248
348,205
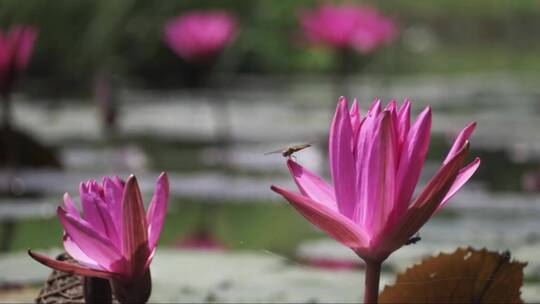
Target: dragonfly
x,y
289,151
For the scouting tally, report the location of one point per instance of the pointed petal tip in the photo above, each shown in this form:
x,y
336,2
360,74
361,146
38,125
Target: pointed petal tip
x,y
375,107
82,187
291,163
354,107
406,103
474,164
386,116
277,189
131,182
164,179
60,211
425,115
36,256
471,126
343,101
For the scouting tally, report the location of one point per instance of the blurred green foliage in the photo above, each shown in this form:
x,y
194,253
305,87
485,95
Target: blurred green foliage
x,y
78,37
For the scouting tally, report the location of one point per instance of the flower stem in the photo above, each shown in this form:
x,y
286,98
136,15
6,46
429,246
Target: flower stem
x,y
6,111
96,291
371,290
135,291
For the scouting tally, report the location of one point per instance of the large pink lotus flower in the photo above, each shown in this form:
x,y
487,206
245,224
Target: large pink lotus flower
x,y
16,47
375,164
351,27
200,36
114,238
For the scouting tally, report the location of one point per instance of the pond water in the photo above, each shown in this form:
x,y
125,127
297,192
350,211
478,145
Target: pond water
x,y
221,185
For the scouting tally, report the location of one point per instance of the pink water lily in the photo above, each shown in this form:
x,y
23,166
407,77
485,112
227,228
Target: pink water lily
x,y
199,35
114,238
348,26
375,164
16,47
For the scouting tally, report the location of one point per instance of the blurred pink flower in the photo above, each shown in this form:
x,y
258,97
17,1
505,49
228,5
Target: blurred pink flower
x,y
199,36
359,28
202,241
332,264
16,47
375,164
114,238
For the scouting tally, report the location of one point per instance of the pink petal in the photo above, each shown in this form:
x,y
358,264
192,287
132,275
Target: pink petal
x,y
356,122
157,210
94,187
377,194
75,252
334,224
460,141
404,118
70,206
313,186
71,268
391,106
413,155
363,147
93,244
97,214
355,116
25,40
463,176
341,159
396,234
112,192
405,107
135,228
444,178
375,108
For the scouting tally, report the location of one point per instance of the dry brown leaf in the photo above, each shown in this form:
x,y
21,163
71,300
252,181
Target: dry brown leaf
x,y
465,276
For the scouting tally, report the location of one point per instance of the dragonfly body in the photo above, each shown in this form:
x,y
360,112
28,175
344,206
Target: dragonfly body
x,y
289,151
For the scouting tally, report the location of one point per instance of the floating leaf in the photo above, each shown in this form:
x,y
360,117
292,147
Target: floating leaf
x,y
465,276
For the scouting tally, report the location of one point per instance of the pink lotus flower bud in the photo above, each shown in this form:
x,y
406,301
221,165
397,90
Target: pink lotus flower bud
x,y
16,47
350,27
114,238
200,36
